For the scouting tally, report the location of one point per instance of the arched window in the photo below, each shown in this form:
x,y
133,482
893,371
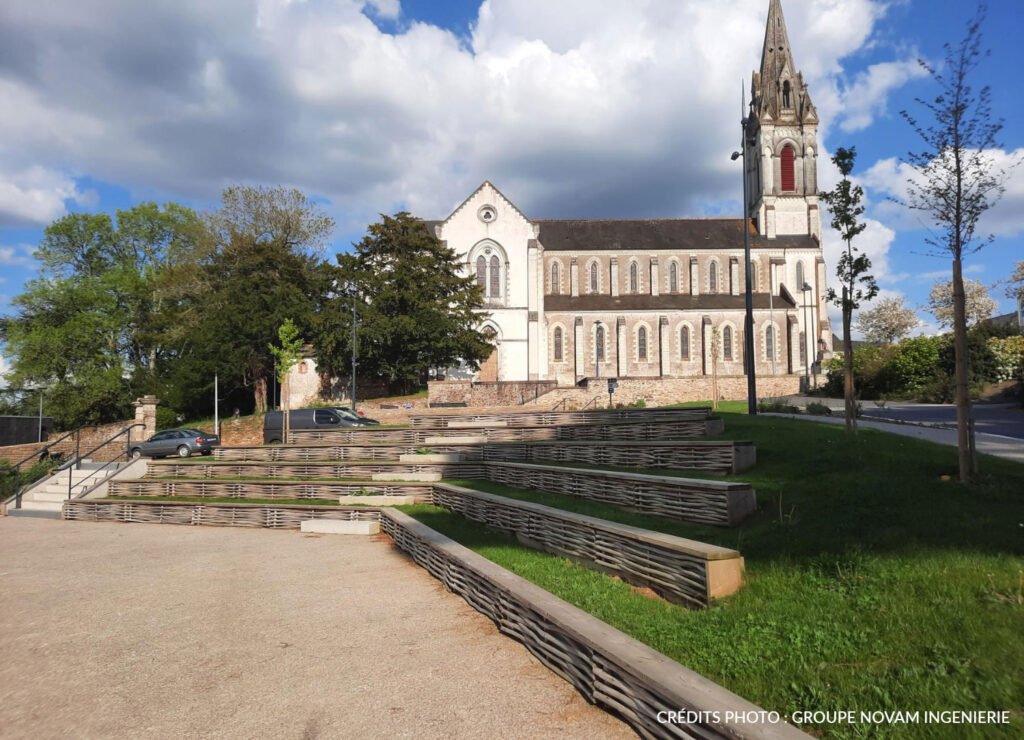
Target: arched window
x,y
641,344
799,276
727,343
593,277
713,277
753,276
599,343
495,277
634,278
769,342
556,286
786,103
558,344
673,277
481,272
684,343
788,168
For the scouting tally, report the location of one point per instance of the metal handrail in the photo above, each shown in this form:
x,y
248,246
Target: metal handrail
x,y
561,403
41,450
591,401
16,468
77,462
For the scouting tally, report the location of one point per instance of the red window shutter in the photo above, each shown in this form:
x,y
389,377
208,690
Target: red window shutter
x,y
788,174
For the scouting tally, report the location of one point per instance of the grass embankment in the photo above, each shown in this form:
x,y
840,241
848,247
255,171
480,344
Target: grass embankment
x,y
873,583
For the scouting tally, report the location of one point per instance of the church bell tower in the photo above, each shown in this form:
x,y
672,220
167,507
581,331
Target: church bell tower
x,y
782,141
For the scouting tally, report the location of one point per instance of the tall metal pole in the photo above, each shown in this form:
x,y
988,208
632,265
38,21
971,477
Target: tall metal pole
x,y
807,339
352,294
216,406
40,415
748,324
597,347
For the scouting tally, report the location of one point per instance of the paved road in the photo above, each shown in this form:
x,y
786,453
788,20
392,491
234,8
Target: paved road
x,y
1006,419
158,631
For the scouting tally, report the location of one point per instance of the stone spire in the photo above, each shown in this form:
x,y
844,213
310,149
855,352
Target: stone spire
x,y
779,92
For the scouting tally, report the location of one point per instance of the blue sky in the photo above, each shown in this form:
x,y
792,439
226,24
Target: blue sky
x,y
574,109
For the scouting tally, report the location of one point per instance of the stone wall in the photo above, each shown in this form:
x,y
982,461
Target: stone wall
x,y
664,391
476,395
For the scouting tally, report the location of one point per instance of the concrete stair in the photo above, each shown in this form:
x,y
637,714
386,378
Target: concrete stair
x,y
49,494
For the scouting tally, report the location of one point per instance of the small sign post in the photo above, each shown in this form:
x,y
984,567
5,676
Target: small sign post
x,y
613,383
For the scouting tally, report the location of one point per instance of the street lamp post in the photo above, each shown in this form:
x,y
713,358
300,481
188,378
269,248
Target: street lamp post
x,y
352,296
597,348
748,322
806,288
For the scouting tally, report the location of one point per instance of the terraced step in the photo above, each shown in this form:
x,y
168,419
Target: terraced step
x,y
266,489
309,470
559,418
314,453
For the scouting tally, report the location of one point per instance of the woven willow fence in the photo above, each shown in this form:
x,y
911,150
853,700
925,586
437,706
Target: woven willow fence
x,y
263,489
728,457
641,431
607,667
312,453
312,470
689,499
684,571
558,418
218,515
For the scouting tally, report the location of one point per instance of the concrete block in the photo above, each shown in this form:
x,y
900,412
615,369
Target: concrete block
x,y
333,526
376,500
432,458
426,477
466,440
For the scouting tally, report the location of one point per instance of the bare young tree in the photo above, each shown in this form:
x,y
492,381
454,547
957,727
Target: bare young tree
x,y
844,201
887,321
955,182
978,304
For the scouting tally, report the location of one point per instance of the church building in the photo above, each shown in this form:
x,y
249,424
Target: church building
x,y
573,299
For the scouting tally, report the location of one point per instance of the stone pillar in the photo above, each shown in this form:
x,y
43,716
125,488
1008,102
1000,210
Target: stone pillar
x,y
655,277
577,341
663,347
794,343
734,276
614,276
705,346
694,277
574,278
145,413
621,353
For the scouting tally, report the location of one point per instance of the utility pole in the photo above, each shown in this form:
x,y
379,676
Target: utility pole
x,y
352,295
216,406
748,322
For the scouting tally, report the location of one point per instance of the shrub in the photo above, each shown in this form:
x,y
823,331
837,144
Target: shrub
x,y
1009,356
776,406
818,409
913,365
983,367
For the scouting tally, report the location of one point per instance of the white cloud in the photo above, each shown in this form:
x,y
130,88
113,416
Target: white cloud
x,y
867,97
35,195
572,108
891,176
19,256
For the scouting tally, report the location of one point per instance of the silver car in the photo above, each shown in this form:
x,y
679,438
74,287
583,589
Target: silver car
x,y
178,442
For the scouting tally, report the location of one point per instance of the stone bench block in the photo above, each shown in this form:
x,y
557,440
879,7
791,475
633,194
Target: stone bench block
x,y
331,526
463,440
376,500
476,424
432,458
426,477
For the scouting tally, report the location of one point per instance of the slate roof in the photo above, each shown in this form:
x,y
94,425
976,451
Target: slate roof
x,y
663,302
649,235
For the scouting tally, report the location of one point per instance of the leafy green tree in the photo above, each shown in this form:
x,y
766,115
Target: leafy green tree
x,y
955,181
416,310
258,267
845,203
887,321
88,330
286,355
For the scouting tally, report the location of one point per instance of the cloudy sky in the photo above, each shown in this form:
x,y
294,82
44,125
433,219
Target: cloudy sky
x,y
576,108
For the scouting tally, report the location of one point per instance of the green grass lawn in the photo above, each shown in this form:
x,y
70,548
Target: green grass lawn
x,y
873,582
